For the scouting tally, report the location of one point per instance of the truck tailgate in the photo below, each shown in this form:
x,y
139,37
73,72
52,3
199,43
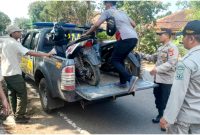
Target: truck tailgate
x,y
110,90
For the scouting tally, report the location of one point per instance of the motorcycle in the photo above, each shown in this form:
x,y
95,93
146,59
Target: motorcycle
x,y
132,61
86,60
104,52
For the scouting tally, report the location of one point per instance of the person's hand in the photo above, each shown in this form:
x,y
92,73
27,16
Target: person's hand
x,y
163,123
49,54
83,35
153,71
6,107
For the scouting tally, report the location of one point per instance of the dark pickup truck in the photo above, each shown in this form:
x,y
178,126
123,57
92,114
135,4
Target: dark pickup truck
x,y
55,76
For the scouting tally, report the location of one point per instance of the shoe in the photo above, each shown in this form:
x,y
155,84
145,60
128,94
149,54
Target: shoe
x,y
163,129
9,122
23,119
157,119
132,83
120,85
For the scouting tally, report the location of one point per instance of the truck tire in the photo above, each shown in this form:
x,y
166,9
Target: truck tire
x,y
48,103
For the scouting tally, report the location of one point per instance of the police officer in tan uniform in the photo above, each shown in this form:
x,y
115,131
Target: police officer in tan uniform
x,y
163,72
183,107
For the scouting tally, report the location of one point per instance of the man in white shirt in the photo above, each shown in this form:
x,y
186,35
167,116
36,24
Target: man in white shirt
x,y
12,50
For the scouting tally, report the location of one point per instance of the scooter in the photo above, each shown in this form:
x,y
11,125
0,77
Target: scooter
x,y
132,61
85,58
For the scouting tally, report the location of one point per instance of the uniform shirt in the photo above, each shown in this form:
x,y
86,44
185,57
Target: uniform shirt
x,y
1,43
122,22
166,59
12,51
184,101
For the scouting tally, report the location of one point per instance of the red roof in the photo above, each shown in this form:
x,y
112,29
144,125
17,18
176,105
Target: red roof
x,y
175,21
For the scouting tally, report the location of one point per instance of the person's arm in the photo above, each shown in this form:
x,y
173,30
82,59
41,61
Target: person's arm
x,y
149,57
94,27
132,22
25,51
5,104
178,92
37,54
97,24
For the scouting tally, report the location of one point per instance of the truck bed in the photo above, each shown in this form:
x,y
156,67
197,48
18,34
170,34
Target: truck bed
x,y
106,88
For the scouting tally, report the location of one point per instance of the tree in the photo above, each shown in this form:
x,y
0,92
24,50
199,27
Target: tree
x,y
79,12
35,9
194,12
4,21
166,14
182,4
144,14
23,23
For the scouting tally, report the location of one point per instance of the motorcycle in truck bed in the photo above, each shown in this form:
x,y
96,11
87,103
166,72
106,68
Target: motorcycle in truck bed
x,y
55,76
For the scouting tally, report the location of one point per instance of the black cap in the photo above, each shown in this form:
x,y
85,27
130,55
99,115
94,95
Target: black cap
x,y
165,30
191,28
112,2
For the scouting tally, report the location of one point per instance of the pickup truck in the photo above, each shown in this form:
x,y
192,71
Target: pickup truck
x,y
55,76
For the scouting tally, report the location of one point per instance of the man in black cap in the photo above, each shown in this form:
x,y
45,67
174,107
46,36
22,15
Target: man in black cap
x,y
163,72
183,107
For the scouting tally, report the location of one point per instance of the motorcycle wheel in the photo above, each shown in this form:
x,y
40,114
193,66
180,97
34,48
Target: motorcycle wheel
x,y
93,73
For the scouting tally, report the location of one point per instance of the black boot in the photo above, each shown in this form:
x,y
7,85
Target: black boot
x,y
158,117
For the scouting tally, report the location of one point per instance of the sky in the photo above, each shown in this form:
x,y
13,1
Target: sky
x,y
19,8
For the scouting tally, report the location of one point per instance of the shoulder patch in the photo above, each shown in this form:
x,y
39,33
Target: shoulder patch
x,y
180,72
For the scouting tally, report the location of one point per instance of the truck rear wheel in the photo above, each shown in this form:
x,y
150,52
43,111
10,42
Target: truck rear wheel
x,y
48,103
44,95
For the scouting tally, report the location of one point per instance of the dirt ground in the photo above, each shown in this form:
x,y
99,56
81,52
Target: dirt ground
x,y
41,122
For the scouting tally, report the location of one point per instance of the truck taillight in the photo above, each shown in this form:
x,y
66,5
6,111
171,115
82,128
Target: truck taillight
x,y
68,78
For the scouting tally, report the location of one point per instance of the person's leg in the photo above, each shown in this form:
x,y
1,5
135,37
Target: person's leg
x,y
120,52
157,95
19,86
165,92
178,128
11,93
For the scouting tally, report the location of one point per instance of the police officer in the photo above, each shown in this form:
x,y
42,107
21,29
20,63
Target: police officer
x,y
163,72
183,107
126,41
12,50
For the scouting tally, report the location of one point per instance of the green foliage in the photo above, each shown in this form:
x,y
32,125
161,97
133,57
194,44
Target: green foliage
x,y
104,36
166,14
194,13
23,23
35,9
4,21
149,42
144,13
79,12
178,42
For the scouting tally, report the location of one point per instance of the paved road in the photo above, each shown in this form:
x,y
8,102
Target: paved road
x,y
126,115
